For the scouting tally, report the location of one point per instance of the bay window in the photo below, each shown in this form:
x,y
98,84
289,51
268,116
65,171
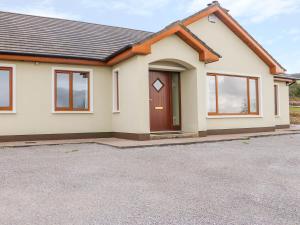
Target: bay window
x,y
72,91
232,95
6,89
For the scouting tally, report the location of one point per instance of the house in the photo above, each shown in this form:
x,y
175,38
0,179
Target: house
x,y
203,75
295,76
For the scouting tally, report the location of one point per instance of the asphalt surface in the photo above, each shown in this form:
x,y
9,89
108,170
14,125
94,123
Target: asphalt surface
x,y
240,182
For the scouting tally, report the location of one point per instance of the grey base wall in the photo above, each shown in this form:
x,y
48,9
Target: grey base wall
x,y
287,126
45,137
130,136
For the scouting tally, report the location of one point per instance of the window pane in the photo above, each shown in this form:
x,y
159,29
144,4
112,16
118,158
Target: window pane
x,y
276,99
175,99
252,94
232,92
80,91
63,87
116,91
4,88
212,94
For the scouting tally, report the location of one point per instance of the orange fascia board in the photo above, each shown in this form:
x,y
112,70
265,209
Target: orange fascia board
x,y
205,55
58,60
283,79
144,48
275,67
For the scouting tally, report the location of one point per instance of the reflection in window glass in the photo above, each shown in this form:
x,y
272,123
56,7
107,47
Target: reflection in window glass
x,y
175,99
63,90
80,91
212,94
234,95
276,100
252,95
4,88
116,100
232,92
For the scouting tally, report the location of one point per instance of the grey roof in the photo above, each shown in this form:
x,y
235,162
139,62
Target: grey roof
x,y
35,35
295,75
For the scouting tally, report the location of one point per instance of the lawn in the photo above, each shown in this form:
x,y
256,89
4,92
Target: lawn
x,y
295,115
295,109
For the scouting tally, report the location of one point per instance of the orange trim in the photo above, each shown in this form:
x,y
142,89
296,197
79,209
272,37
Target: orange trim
x,y
275,68
121,57
145,48
51,60
70,108
248,78
284,80
204,54
200,15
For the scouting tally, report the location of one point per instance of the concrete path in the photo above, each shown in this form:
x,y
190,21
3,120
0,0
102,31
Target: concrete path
x,y
122,143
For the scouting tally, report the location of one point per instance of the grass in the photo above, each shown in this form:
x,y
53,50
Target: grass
x,y
295,109
295,115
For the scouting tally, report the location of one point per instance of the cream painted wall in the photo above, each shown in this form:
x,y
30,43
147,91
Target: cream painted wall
x,y
236,59
134,86
134,97
283,98
34,103
189,109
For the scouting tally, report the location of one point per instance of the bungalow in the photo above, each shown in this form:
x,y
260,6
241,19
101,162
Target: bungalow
x,y
295,76
201,75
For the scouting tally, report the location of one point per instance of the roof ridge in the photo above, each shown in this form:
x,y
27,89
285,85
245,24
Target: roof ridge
x,y
73,20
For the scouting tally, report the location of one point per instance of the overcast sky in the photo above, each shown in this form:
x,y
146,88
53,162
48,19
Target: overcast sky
x,y
274,23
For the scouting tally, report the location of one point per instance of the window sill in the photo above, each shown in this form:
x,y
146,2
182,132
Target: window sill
x,y
72,112
8,112
234,116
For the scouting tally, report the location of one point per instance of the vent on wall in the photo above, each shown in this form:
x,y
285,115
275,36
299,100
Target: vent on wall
x,y
212,18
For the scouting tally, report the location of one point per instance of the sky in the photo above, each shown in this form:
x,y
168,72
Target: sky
x,y
273,23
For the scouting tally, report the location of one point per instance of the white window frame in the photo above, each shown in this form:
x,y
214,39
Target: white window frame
x,y
14,86
260,95
278,100
115,91
91,80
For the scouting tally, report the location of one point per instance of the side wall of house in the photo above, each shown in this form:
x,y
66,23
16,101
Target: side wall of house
x,y
283,118
34,113
237,59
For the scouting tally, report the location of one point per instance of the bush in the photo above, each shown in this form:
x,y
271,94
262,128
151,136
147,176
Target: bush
x,y
295,92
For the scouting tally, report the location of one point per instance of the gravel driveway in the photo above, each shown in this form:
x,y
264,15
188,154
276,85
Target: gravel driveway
x,y
240,182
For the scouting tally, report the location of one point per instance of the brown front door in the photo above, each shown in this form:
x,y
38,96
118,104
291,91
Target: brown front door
x,y
160,101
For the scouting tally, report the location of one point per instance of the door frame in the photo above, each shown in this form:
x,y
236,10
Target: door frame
x,y
173,128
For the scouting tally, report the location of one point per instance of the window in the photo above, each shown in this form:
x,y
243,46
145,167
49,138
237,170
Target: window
x,y
6,89
72,91
176,100
116,98
232,95
276,100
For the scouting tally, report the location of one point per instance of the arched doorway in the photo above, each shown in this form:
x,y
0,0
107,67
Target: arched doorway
x,y
165,95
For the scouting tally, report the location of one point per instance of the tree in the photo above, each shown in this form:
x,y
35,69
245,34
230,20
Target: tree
x,y
295,92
